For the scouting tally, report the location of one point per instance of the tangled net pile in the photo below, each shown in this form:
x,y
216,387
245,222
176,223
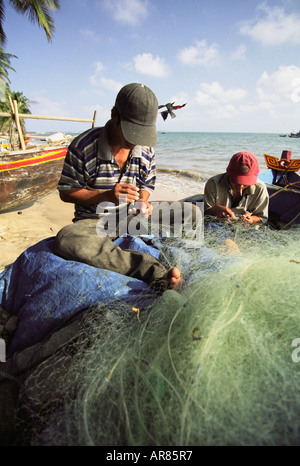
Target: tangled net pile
x,y
209,365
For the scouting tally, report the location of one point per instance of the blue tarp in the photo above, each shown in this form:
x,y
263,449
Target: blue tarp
x,y
47,292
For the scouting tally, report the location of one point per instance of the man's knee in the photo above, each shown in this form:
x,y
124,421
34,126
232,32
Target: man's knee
x,y
62,240
71,236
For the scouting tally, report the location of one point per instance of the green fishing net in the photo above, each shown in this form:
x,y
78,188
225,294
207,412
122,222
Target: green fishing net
x,y
213,364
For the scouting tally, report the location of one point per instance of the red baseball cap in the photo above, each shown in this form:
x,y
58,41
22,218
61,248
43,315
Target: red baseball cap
x,y
243,168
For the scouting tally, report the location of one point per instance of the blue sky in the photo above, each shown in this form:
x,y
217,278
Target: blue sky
x,y
235,62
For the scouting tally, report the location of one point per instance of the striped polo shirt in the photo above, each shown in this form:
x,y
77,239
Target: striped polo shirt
x,y
89,164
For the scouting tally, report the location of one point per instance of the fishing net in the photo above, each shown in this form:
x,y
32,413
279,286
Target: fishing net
x,y
213,364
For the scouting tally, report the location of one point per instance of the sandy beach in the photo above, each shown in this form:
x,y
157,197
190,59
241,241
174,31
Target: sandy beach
x,y
24,227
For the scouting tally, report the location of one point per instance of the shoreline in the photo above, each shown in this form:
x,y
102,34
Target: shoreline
x,y
26,226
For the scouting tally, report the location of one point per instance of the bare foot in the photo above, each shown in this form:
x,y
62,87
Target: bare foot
x,y
230,247
173,278
170,281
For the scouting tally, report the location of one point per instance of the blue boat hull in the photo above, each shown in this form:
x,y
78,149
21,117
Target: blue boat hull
x,y
284,203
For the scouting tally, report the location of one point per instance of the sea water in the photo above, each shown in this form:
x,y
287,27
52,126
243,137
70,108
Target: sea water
x,y
186,160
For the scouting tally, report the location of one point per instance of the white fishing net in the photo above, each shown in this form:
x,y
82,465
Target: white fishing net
x,y
212,364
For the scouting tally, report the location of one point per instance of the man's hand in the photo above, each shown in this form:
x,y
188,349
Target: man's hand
x,y
223,212
249,218
144,208
124,193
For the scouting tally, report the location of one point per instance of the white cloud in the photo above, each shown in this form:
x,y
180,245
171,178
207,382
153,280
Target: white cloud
x,y
276,97
199,54
99,81
275,28
129,12
110,84
219,102
239,53
88,33
282,86
94,79
180,98
45,106
214,93
147,64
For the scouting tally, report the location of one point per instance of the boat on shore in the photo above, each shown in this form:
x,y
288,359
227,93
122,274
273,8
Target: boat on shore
x,y
5,143
283,184
26,176
32,172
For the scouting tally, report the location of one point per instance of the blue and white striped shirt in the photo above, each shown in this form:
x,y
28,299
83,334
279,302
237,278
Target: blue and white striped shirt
x,y
89,164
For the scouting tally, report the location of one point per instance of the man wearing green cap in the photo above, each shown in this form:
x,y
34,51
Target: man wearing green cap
x,y
105,167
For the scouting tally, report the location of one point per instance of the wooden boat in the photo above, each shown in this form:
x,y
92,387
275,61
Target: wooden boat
x,y
26,176
295,135
283,184
29,174
5,143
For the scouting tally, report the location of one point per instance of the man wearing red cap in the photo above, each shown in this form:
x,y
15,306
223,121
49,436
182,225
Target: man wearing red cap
x,y
238,194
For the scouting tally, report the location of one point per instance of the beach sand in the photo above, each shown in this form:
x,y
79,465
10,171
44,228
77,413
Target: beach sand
x,y
24,227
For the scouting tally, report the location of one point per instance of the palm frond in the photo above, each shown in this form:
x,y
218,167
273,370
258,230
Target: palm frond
x,y
5,64
38,11
7,124
2,16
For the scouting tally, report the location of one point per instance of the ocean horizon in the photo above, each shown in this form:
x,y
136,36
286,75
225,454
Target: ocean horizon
x,y
186,160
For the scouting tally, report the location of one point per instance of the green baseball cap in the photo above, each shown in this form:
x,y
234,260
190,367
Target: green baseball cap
x,y
138,106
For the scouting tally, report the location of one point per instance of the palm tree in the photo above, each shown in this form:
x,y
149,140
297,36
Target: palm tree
x,y
7,124
37,10
5,65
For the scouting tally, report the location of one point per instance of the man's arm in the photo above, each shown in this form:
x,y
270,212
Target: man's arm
x,y
219,211
95,196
